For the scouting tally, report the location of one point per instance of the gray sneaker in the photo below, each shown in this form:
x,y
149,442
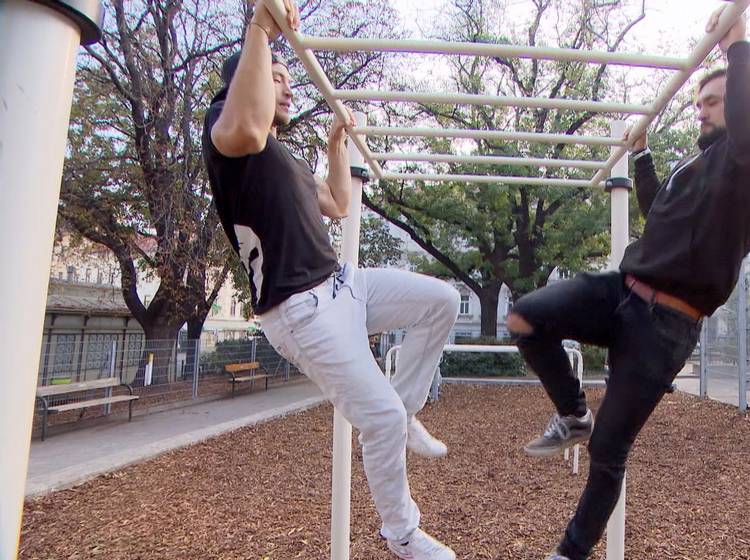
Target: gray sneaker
x,y
561,432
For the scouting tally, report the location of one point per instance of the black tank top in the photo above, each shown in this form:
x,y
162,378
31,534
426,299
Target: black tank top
x,y
268,206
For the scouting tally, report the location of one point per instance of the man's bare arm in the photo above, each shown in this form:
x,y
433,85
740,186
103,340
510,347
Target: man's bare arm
x,y
247,116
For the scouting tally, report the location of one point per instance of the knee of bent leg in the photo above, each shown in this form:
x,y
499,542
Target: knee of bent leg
x,y
608,452
518,326
449,299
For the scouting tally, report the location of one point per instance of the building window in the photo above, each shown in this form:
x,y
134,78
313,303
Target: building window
x,y
233,309
59,274
465,308
88,275
65,353
112,278
99,277
72,275
99,353
146,301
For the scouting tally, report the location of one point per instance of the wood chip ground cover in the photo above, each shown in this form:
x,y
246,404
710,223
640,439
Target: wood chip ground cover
x,y
263,492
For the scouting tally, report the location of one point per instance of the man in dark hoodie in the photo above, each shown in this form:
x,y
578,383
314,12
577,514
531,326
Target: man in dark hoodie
x,y
314,312
649,313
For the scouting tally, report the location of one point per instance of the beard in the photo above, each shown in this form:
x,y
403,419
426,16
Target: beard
x,y
706,139
280,120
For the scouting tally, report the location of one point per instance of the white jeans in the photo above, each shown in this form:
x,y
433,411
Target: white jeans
x,y
324,332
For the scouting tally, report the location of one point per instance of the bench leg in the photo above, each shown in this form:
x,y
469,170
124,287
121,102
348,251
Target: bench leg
x,y
266,383
130,410
233,386
44,424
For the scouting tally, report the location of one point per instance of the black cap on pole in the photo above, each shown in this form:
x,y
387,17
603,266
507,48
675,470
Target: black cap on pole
x,y
87,14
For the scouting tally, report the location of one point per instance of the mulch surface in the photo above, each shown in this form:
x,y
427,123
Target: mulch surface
x,y
264,492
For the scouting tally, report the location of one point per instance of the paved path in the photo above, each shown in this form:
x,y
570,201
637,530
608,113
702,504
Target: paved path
x,y
73,457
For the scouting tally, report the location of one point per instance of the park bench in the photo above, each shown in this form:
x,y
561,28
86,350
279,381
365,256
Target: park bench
x,y
54,398
244,372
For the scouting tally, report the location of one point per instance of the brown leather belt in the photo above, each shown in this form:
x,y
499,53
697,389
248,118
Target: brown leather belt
x,y
651,295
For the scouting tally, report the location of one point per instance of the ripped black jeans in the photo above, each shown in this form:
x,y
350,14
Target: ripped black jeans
x,y
648,345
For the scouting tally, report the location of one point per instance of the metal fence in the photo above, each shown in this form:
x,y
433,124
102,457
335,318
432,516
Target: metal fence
x,y
724,364
163,373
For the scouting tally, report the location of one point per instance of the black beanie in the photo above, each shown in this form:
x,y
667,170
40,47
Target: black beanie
x,y
230,65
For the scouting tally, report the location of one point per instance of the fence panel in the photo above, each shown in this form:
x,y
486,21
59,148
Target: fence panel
x,y
163,373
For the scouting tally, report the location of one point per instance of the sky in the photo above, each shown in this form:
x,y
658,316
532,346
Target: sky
x,y
671,28
681,20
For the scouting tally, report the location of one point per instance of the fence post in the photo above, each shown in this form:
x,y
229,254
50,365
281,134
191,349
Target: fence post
x,y
254,349
196,367
112,361
742,334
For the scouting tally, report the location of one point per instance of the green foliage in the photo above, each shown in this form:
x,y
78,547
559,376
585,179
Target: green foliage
x,y
226,352
487,235
594,359
377,247
484,364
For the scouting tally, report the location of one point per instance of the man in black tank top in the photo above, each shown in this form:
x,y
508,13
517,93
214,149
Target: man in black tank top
x,y
315,313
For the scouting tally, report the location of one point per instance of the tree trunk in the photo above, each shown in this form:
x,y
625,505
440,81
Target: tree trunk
x,y
161,341
488,300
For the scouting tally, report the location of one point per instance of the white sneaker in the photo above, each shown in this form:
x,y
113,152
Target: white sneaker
x,y
421,546
419,440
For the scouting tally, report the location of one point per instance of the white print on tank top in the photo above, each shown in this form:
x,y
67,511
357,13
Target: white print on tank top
x,y
251,255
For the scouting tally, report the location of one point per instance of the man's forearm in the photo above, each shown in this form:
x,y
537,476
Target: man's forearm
x,y
339,178
646,182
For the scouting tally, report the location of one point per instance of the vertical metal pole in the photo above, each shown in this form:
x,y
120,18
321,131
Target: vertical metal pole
x,y
703,385
620,195
196,366
342,430
38,48
108,392
742,334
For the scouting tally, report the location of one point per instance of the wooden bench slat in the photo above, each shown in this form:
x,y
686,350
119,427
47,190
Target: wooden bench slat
x,y
52,390
249,378
242,367
93,402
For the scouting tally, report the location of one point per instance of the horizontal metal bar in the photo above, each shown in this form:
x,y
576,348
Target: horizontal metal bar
x,y
501,101
488,179
490,160
489,135
728,18
491,50
480,348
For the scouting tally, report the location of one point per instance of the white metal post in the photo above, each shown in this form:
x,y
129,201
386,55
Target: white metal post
x,y
342,430
742,334
620,194
112,365
38,48
703,383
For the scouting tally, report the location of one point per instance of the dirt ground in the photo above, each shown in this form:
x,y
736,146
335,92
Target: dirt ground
x,y
264,492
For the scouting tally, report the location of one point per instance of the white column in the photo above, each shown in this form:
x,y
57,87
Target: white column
x,y
620,195
38,48
342,430
620,224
